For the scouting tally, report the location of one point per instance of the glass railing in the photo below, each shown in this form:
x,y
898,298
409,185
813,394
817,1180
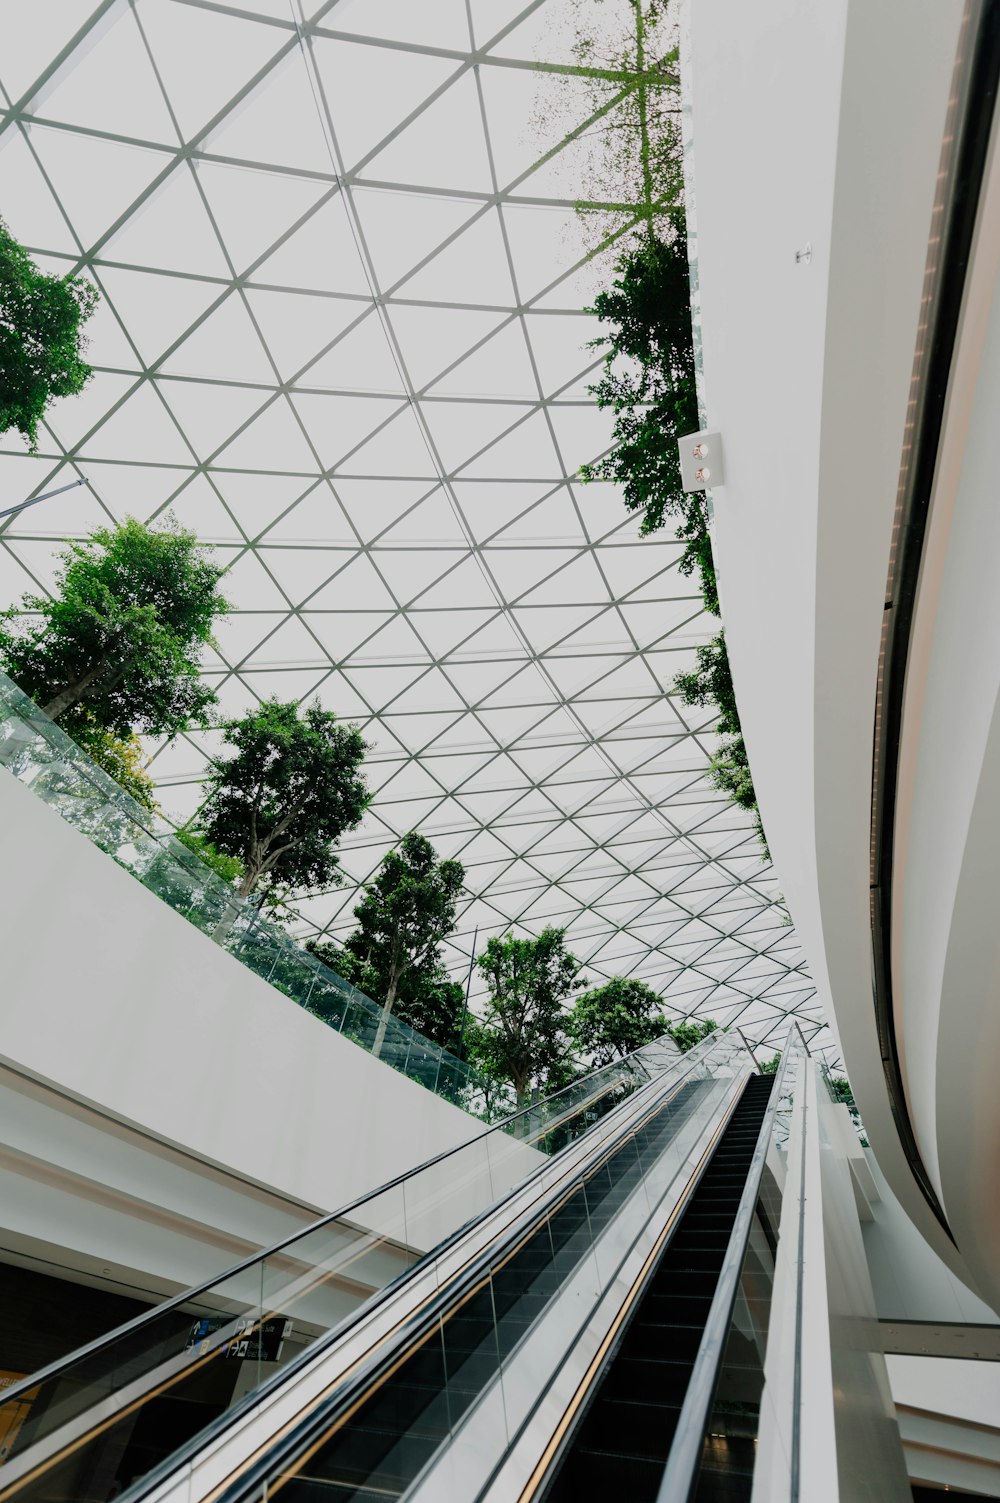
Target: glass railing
x,y
122,1405
45,759
430,1416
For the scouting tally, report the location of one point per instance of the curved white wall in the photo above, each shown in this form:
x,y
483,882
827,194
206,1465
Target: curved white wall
x,y
164,1110
819,125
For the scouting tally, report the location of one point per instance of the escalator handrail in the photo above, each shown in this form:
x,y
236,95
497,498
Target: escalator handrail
x,y
406,1337
147,1317
680,1477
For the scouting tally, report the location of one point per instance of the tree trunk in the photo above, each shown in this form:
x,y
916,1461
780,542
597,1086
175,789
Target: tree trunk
x,y
231,911
387,1006
72,693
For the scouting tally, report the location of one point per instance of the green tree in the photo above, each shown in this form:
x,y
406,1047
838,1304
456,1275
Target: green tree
x,y
711,683
620,97
523,1035
407,912
770,1066
227,868
282,801
691,1031
121,758
118,645
41,345
615,1019
649,385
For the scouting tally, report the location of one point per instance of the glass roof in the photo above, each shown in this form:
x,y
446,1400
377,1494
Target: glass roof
x,y
342,336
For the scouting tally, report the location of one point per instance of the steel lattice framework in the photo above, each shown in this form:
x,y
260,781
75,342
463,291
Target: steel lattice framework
x,y
341,335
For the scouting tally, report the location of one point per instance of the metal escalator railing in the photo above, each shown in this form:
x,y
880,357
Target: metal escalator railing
x,y
453,1382
124,1402
664,1404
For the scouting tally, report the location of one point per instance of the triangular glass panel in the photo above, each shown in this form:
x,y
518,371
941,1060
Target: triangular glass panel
x,y
140,429
396,449
361,360
70,418
255,499
433,337
526,452
372,506
96,180
371,90
357,587
273,441
157,310
253,209
445,147
278,122
499,368
205,57
321,255
223,347
472,268
29,208
110,86
296,326
210,412
33,37
401,229
338,424
440,25
171,229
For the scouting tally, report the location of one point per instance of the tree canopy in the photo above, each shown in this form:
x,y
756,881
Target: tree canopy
x,y
118,645
121,758
405,915
523,1034
41,343
626,86
291,789
649,384
685,1035
615,1019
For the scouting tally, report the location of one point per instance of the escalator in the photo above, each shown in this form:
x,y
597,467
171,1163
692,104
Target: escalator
x,y
621,1446
544,1349
378,1442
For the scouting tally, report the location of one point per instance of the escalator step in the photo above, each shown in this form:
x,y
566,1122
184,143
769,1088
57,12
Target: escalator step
x,y
590,1473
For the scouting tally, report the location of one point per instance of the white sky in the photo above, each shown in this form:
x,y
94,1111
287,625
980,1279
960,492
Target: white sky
x,y
341,336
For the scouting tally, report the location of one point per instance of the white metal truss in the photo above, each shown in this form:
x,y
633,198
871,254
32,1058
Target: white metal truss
x,y
342,336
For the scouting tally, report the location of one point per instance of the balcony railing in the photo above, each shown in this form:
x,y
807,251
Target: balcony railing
x,y
36,752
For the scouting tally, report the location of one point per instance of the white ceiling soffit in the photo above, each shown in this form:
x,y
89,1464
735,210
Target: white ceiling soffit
x,y
341,335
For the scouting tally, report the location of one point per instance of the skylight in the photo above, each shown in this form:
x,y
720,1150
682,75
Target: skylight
x,y
342,336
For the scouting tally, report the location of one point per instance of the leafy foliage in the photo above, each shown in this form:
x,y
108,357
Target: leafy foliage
x,y
523,1035
613,1020
649,384
840,1089
121,758
624,83
41,345
685,1035
118,645
228,868
712,683
291,789
770,1066
404,917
